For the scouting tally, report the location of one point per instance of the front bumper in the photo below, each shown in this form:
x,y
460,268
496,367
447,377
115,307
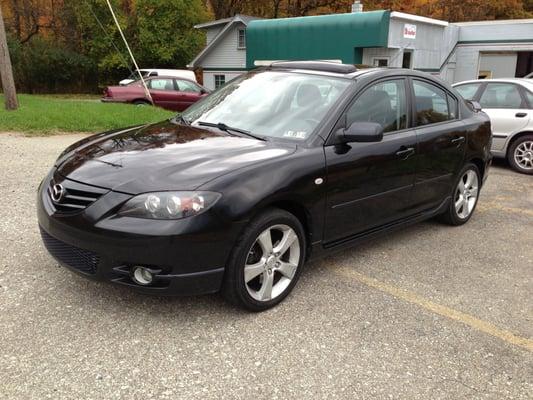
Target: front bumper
x,y
190,253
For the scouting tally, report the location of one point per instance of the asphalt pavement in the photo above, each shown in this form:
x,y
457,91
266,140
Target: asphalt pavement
x,y
431,312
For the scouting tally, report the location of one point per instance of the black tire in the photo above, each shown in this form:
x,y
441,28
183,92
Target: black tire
x,y
234,288
528,139
140,103
451,215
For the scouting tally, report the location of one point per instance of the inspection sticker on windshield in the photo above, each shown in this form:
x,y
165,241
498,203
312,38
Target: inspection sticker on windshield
x,y
295,134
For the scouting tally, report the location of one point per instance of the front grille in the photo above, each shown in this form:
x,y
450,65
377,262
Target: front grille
x,y
75,196
83,260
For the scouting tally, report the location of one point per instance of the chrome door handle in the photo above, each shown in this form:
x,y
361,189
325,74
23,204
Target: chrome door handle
x,y
459,140
406,153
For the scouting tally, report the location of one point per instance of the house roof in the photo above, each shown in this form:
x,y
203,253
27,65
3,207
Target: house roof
x,y
228,22
418,18
318,37
245,19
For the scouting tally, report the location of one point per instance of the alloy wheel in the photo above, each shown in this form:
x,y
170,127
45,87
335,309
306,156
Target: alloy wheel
x,y
272,262
523,155
466,194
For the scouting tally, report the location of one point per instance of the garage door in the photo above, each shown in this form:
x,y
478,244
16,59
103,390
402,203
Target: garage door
x,y
497,65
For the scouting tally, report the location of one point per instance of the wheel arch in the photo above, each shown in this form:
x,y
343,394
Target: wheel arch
x,y
480,164
514,138
299,211
141,100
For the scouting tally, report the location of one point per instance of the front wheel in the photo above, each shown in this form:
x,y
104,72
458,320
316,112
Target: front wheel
x,y
464,197
520,155
266,262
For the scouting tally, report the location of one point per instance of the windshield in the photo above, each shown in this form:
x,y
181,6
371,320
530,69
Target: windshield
x,y
272,103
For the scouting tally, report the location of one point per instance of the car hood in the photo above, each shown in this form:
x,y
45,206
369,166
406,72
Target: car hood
x,y
163,156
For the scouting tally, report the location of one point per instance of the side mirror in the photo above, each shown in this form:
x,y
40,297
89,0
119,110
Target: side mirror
x,y
475,105
363,132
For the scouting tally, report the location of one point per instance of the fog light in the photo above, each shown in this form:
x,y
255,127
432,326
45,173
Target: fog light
x,y
142,276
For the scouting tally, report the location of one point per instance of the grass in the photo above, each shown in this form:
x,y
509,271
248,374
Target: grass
x,y
44,115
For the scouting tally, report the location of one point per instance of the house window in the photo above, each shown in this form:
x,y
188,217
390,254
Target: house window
x,y
220,80
381,62
241,39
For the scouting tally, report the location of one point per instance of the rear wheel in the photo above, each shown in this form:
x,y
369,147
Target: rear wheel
x,y
141,103
464,197
267,261
520,155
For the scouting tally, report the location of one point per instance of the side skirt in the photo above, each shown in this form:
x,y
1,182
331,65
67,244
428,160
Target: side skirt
x,y
323,249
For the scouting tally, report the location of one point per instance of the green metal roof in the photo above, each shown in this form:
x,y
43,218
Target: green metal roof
x,y
326,37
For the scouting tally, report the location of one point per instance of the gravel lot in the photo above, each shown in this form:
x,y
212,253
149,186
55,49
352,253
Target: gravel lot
x,y
431,312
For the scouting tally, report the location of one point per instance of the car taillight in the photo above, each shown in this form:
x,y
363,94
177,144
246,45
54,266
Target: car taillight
x,y
107,93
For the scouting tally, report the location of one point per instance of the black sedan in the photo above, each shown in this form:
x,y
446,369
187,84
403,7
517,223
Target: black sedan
x,y
281,165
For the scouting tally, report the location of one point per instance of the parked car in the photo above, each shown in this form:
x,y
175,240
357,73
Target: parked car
x,y
280,166
147,73
175,94
509,103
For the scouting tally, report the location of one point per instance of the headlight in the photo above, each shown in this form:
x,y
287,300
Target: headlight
x,y
169,205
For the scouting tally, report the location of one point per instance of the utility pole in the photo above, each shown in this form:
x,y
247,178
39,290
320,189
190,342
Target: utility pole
x,y
6,71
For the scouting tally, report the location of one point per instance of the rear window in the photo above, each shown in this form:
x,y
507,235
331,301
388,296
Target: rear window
x,y
468,91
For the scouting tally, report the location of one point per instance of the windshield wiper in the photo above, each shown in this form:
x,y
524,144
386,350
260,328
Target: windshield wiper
x,y
223,127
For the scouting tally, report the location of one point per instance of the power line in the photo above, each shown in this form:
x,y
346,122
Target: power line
x,y
146,91
108,36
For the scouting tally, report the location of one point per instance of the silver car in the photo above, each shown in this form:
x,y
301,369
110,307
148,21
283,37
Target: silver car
x,y
509,104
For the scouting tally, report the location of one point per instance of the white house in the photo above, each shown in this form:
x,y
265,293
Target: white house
x,y
224,56
455,51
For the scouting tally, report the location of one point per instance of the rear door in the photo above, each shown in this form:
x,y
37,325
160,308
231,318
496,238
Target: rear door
x,y
442,143
370,184
164,93
508,111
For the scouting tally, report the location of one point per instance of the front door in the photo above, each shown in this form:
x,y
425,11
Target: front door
x,y
369,184
189,93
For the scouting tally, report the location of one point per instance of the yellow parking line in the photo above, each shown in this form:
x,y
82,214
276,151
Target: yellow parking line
x,y
447,312
495,206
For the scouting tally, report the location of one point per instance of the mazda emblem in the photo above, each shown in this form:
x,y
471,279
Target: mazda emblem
x,y
58,191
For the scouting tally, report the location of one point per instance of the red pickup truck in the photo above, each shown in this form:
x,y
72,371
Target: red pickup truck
x,y
175,94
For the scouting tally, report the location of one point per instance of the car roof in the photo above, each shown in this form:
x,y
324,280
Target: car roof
x,y
169,77
521,81
349,71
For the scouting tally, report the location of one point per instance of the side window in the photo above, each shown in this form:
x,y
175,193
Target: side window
x,y
501,95
220,80
452,105
468,91
161,84
431,104
529,96
186,86
384,103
